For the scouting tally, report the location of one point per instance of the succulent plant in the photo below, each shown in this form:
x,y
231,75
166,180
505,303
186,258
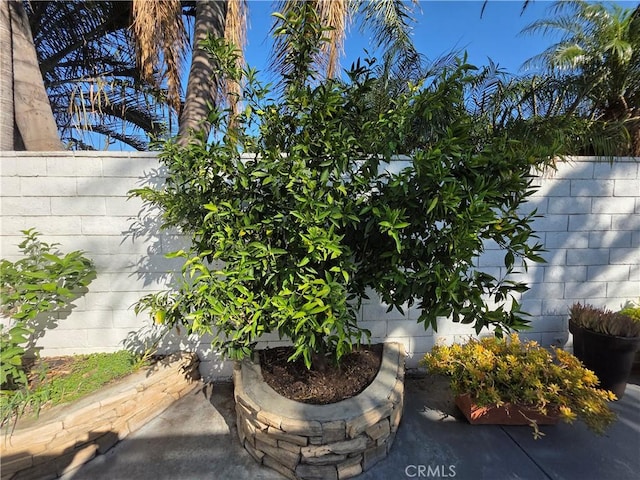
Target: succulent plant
x,y
604,321
496,371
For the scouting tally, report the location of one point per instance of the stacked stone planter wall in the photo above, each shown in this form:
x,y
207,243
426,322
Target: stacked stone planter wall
x,y
335,441
63,439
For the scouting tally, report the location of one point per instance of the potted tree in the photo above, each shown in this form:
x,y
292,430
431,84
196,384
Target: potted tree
x,y
296,210
606,342
269,203
506,381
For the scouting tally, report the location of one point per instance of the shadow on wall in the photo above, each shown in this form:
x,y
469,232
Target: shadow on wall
x,y
49,321
146,228
587,228
155,270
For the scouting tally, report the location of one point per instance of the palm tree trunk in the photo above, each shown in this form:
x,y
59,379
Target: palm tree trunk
x,y
202,85
36,126
6,80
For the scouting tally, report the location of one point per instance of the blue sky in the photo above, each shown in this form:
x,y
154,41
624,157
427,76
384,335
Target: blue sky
x,y
441,26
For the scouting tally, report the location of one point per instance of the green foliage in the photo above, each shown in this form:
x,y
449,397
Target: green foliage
x,y
41,282
293,212
85,375
88,64
625,323
497,371
271,222
632,310
426,225
591,73
12,351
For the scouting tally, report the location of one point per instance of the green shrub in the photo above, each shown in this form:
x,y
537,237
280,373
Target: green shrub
x,y
293,214
632,309
41,282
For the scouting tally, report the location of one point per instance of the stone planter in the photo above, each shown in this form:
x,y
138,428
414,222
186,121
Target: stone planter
x,y
507,414
335,441
62,439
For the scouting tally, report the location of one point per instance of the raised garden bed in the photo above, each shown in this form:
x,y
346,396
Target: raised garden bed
x,y
65,437
334,441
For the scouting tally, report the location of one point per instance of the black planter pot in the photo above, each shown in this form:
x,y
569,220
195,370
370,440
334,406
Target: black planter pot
x,y
578,339
610,357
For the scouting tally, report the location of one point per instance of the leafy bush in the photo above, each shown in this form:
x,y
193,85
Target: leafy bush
x,y
294,213
496,371
12,341
604,321
41,282
632,309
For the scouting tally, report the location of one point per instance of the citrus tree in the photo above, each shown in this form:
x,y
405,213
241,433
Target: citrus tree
x,y
295,212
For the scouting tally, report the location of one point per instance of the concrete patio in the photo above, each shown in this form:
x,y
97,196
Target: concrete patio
x,y
196,438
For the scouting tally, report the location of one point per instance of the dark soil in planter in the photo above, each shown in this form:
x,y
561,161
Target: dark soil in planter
x,y
294,381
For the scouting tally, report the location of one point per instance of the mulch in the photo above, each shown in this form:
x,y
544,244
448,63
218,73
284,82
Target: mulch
x,y
294,381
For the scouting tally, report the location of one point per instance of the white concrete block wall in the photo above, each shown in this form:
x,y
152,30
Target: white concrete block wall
x,y
590,228
80,200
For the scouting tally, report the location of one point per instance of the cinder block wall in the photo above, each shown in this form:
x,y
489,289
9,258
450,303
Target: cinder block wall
x,y
80,200
590,228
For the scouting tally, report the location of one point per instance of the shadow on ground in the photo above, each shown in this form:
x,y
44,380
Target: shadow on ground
x,y
196,438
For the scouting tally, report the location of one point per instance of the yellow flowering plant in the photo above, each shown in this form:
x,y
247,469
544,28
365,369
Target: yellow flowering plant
x,y
496,371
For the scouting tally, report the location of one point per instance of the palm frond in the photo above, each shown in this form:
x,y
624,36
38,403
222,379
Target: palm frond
x,y
235,32
390,21
333,14
284,57
118,107
594,70
88,65
298,40
159,33
525,4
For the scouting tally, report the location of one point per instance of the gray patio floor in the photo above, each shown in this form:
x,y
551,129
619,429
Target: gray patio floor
x,y
196,439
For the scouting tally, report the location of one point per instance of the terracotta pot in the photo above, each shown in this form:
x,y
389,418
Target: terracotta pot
x,y
507,414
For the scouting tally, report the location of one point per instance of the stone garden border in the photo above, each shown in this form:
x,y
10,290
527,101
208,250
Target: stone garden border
x,y
335,441
64,438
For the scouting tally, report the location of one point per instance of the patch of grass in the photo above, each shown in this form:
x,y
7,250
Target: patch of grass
x,y
66,379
